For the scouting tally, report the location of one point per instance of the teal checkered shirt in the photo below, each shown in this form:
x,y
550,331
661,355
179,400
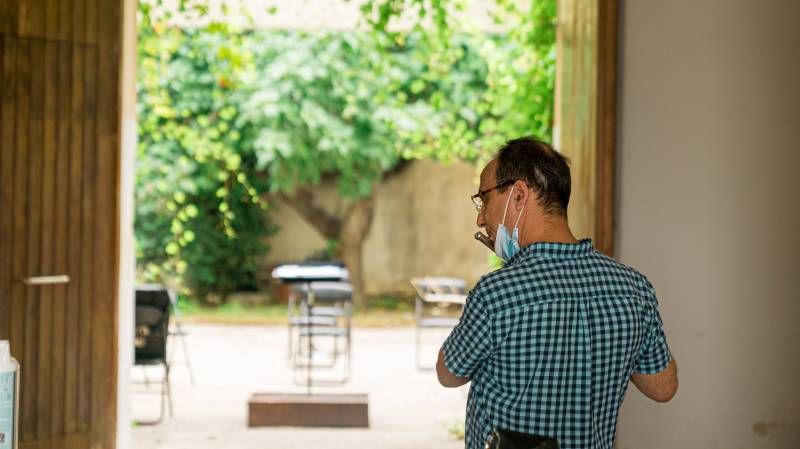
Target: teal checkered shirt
x,y
550,342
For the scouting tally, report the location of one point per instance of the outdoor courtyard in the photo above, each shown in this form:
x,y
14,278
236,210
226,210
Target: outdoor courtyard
x,y
407,407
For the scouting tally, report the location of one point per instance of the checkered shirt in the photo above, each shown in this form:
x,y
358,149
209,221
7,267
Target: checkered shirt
x,y
550,342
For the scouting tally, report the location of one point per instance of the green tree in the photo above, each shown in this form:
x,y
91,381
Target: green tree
x,y
199,217
336,106
352,108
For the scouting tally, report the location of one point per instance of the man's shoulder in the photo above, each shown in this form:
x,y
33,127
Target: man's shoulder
x,y
497,279
635,278
541,271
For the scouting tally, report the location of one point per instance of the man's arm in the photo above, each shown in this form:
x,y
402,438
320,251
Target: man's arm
x,y
660,387
446,378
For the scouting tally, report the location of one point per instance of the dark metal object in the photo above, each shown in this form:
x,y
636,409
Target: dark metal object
x,y
507,439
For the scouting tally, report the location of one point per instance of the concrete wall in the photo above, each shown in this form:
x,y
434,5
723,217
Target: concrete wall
x,y
423,226
708,209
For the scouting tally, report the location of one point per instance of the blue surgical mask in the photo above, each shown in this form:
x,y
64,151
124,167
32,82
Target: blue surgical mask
x,y
504,246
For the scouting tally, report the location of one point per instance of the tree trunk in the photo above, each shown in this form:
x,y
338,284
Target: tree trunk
x,y
355,227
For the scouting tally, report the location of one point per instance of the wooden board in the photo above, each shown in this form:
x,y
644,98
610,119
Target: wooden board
x,y
308,410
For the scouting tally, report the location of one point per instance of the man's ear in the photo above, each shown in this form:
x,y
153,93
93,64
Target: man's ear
x,y
520,194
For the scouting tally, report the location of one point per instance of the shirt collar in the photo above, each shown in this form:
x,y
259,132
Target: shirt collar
x,y
553,250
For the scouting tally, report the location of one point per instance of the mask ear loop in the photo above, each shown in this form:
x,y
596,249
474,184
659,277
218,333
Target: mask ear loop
x,y
519,216
506,209
520,212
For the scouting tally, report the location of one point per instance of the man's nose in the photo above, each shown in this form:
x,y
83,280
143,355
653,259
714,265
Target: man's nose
x,y
480,221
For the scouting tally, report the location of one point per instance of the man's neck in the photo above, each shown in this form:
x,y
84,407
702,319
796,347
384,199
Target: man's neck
x,y
548,229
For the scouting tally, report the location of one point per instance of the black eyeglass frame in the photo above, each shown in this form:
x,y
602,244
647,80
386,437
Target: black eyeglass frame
x,y
477,199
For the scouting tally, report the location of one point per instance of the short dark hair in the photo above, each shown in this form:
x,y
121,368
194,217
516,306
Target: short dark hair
x,y
541,167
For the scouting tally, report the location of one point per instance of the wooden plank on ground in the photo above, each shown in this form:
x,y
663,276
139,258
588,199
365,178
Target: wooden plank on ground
x,y
308,410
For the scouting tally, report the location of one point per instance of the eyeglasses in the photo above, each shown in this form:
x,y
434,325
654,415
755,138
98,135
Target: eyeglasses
x,y
477,199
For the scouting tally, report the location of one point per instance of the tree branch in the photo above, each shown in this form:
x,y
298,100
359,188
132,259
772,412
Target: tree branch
x,y
302,201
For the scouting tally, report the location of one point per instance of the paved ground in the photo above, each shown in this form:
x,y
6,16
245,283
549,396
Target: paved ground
x,y
408,408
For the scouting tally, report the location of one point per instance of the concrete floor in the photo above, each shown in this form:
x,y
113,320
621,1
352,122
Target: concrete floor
x,y
407,407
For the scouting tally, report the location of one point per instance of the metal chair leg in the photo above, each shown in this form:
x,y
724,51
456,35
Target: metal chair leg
x,y
167,388
186,356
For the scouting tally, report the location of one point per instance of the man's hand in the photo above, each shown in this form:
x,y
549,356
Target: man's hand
x,y
661,386
446,378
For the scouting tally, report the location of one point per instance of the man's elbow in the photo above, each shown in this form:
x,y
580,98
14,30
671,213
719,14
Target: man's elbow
x,y
661,386
446,378
665,395
450,380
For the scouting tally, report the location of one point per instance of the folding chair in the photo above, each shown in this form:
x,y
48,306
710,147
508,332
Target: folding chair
x,y
436,296
150,339
178,332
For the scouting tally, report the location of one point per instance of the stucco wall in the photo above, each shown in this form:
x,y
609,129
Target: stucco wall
x,y
708,209
423,226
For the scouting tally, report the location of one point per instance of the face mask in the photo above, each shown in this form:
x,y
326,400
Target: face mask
x,y
504,246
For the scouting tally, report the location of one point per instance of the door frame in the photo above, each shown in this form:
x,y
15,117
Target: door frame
x,y
126,246
603,173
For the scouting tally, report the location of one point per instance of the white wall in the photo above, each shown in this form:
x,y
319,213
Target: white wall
x,y
709,149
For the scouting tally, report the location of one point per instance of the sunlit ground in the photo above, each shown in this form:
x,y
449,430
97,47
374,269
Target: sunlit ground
x,y
408,408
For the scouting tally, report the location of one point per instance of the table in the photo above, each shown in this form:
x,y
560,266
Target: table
x,y
306,273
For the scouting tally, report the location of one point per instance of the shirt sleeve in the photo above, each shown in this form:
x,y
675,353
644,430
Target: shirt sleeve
x,y
469,344
654,355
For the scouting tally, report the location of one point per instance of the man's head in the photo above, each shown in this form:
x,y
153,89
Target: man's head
x,y
525,168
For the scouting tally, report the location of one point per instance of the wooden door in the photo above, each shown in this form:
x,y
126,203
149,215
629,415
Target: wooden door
x,y
59,156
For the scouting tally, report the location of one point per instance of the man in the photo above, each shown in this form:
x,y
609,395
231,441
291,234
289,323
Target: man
x,y
550,340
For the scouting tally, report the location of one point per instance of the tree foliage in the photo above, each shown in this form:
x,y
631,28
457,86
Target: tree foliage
x,y
227,116
200,214
335,104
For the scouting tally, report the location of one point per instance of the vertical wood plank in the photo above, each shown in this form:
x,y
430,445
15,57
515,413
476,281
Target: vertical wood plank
x,y
607,125
51,17
24,17
6,181
74,240
62,185
8,17
19,63
586,113
65,12
104,359
31,127
88,262
78,20
576,107
46,266
32,18
91,19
